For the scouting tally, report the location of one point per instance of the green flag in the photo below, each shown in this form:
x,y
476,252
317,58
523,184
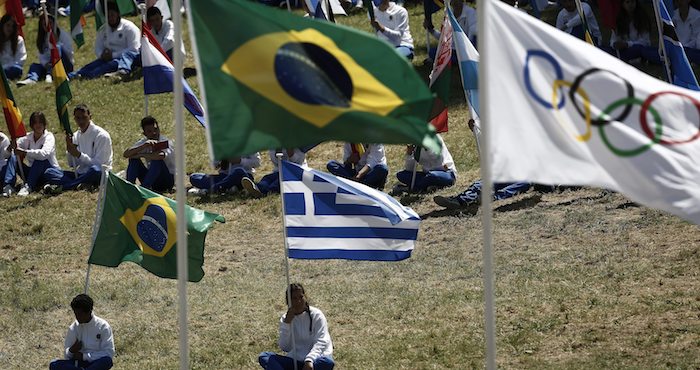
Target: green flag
x,y
273,79
139,226
77,21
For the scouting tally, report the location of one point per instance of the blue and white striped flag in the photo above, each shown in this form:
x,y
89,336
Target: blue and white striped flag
x,y
328,217
468,59
681,73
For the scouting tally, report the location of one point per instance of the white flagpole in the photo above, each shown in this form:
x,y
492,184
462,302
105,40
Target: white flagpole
x,y
142,8
662,45
181,195
98,221
486,192
286,247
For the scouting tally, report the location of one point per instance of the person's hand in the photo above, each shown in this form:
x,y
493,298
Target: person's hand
x,y
106,55
76,347
619,45
377,26
308,365
12,146
70,147
289,316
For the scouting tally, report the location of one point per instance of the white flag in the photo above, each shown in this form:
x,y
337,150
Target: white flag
x,y
561,111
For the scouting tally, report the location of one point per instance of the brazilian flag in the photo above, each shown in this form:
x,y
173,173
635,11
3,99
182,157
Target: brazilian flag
x,y
273,79
138,225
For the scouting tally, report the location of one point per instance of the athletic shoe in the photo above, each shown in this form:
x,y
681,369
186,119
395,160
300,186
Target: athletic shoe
x,y
448,202
7,191
251,188
26,81
49,189
48,79
197,191
64,12
24,191
399,189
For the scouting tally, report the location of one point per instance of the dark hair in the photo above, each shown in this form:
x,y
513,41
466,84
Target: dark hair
x,y
148,121
639,19
153,11
81,107
37,116
112,6
293,287
82,302
42,39
13,38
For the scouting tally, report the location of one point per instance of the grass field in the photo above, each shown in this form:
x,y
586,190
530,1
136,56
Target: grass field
x,y
584,279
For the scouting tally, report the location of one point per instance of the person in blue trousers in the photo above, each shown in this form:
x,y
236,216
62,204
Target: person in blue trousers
x,y
473,194
270,183
158,171
231,174
64,43
364,163
310,346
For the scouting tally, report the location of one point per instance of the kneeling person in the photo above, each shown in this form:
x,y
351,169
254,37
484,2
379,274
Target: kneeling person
x,y
158,173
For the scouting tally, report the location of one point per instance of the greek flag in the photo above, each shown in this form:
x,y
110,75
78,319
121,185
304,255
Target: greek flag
x,y
328,217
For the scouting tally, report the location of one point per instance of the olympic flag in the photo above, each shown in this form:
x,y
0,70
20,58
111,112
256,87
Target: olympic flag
x,y
578,116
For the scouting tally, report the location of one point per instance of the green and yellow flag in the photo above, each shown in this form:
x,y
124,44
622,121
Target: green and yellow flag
x,y
60,81
273,79
138,225
77,21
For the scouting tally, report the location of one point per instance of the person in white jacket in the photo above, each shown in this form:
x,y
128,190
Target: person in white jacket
x,y
270,183
570,22
116,46
13,52
158,172
391,25
364,163
304,336
89,343
41,70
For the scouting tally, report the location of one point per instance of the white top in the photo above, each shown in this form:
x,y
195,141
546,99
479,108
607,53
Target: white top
x,y
633,38
166,36
64,44
430,161
395,22
95,146
4,154
42,149
688,31
310,344
96,336
298,157
168,152
126,37
7,58
567,20
248,163
373,155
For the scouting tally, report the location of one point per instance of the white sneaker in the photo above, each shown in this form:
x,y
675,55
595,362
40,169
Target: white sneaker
x,y
7,191
48,78
26,81
197,191
24,191
251,188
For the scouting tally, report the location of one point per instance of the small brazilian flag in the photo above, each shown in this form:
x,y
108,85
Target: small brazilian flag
x,y
139,226
273,79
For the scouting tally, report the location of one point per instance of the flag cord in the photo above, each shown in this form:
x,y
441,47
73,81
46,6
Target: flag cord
x,y
98,221
662,45
286,250
415,169
486,194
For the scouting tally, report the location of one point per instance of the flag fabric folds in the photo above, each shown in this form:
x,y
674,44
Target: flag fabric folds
x,y
441,76
564,112
13,117
77,22
681,72
158,74
13,8
138,225
60,81
276,80
468,59
328,217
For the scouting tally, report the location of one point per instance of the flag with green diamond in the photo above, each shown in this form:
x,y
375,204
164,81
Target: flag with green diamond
x,y
273,79
138,225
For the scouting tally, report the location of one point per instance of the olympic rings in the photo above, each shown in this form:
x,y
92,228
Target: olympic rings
x,y
631,152
647,105
558,101
586,106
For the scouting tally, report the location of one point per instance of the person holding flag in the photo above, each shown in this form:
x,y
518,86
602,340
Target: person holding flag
x,y
64,44
686,19
569,21
439,170
162,30
364,163
391,25
8,183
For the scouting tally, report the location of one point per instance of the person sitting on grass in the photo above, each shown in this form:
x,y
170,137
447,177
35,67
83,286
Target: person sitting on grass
x,y
391,25
13,52
569,21
438,172
686,20
270,183
364,163
88,151
630,39
163,30
116,47
231,173
158,174
89,343
39,149
42,70
473,194
8,183
304,337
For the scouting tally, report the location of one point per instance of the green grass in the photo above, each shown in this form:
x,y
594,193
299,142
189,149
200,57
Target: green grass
x,y
584,278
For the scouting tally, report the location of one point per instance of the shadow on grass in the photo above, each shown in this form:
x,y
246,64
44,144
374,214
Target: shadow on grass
x,y
468,211
217,198
28,204
526,202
